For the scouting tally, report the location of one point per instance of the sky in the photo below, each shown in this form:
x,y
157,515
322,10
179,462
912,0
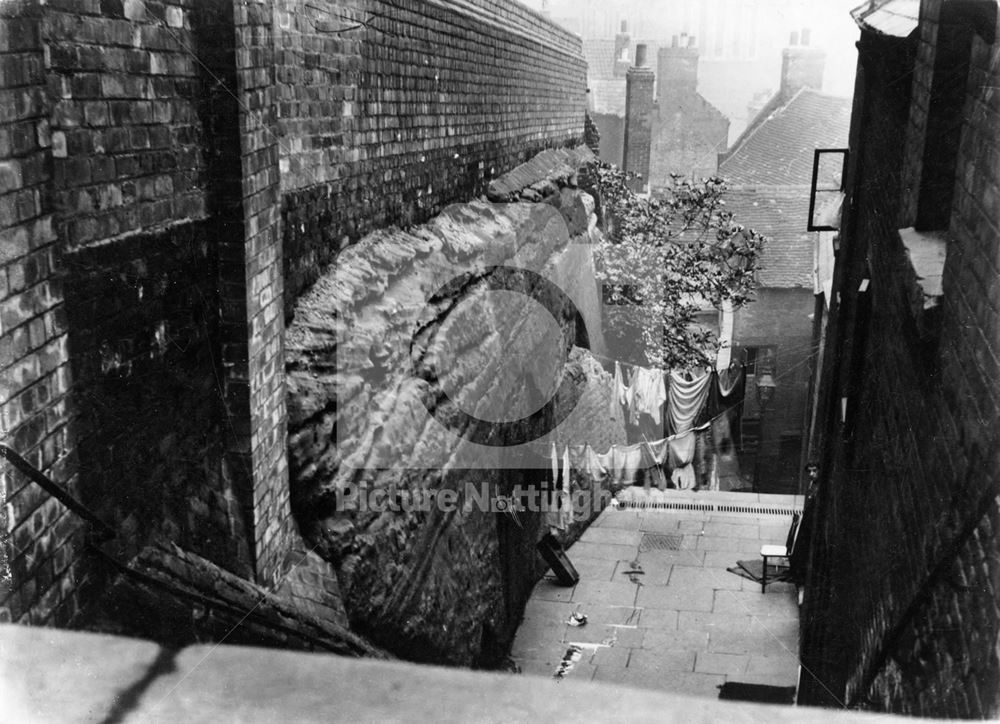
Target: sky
x,y
740,41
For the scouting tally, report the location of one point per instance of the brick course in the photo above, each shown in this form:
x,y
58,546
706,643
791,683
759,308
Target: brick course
x,y
182,169
389,110
911,625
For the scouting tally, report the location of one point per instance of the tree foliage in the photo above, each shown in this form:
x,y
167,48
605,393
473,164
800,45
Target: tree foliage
x,y
670,255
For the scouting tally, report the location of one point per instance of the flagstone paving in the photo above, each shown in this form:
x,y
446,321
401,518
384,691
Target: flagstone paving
x,y
671,620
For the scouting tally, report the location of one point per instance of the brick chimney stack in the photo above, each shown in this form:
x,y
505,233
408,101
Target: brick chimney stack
x,y
623,42
801,66
639,86
677,68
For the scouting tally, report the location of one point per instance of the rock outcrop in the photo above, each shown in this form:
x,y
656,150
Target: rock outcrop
x,y
429,367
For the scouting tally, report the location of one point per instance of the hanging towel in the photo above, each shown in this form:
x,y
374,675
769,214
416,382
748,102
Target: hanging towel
x,y
553,519
565,502
648,394
659,449
681,449
683,478
620,389
625,462
592,464
686,398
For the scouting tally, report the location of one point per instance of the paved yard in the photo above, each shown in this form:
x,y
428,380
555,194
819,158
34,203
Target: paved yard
x,y
659,618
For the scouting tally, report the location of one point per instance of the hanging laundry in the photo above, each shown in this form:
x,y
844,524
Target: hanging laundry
x,y
681,449
683,477
686,398
648,394
565,501
553,515
625,462
593,466
621,390
651,471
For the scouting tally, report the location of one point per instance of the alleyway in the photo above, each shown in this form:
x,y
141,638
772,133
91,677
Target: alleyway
x,y
684,624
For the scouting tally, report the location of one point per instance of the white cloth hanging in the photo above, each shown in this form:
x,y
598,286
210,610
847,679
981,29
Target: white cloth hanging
x,y
686,398
648,394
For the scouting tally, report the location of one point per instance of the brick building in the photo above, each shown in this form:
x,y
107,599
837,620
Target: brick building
x,y
769,170
173,175
900,606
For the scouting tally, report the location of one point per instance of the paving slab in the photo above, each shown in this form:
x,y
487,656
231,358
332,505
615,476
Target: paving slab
x,y
687,577
618,536
678,599
605,551
726,664
683,624
659,661
596,569
605,593
673,640
658,619
624,519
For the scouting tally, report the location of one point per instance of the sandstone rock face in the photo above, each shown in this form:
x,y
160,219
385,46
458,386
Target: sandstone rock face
x,y
427,373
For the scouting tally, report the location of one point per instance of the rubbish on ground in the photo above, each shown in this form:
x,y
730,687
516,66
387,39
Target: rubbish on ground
x,y
577,619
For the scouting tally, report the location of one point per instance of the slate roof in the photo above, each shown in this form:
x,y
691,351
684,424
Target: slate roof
x,y
781,214
777,148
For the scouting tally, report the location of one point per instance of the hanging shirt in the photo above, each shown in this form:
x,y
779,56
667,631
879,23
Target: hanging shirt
x,y
553,517
621,391
686,398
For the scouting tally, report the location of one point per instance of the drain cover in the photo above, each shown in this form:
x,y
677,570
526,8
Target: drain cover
x,y
659,542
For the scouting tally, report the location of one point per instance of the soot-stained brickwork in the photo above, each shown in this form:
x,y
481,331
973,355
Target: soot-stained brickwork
x,y
165,167
911,625
388,110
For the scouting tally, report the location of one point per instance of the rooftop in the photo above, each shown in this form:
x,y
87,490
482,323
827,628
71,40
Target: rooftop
x,y
781,214
777,148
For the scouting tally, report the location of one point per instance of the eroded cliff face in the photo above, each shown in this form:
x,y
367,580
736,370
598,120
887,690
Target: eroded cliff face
x,y
427,374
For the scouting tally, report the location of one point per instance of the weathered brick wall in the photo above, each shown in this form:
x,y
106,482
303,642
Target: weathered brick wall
x,y
39,559
388,110
913,622
263,444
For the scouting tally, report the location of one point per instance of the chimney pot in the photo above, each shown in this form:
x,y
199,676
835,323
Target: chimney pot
x,y
640,55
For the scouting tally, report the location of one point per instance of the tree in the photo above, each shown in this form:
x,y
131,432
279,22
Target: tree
x,y
669,255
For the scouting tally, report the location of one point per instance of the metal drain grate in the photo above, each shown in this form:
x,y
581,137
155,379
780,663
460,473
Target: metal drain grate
x,y
659,542
710,507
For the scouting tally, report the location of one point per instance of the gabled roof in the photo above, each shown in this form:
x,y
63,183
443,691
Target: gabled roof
x,y
888,17
781,214
777,149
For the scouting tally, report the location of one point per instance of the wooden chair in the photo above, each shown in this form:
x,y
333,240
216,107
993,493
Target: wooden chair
x,y
776,551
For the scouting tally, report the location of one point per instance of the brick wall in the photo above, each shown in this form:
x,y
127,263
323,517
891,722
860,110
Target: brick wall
x,y
911,625
39,559
389,110
639,83
160,160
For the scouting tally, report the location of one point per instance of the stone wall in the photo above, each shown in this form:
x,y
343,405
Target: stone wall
x,y
390,110
440,584
912,625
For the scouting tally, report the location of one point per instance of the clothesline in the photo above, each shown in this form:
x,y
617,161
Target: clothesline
x,y
700,428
